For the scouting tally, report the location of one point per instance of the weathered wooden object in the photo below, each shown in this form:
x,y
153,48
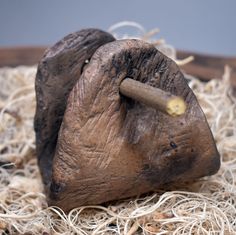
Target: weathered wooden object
x,y
111,146
58,72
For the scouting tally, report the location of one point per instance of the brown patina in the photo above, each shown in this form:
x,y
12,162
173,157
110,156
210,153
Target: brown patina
x,y
95,144
58,71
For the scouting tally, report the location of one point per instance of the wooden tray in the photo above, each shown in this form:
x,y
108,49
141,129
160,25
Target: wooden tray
x,y
204,67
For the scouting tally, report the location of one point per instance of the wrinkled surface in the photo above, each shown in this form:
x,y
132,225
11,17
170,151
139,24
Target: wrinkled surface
x,y
58,71
111,147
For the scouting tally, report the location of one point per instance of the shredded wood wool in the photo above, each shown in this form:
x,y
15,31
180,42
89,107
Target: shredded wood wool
x,y
205,206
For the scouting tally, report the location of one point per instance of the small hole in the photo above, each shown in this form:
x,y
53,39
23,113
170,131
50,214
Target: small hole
x,y
86,62
173,145
55,187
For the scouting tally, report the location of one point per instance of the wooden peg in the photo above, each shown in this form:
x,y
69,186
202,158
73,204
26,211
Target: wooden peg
x,y
153,97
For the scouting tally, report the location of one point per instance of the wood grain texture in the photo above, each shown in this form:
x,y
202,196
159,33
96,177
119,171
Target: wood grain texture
x,y
111,147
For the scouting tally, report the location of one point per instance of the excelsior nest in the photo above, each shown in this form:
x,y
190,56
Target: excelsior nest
x,y
207,206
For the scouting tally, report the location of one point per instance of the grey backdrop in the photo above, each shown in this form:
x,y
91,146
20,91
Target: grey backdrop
x,y
206,26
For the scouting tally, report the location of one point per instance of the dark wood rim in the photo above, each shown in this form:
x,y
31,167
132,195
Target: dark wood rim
x,y
207,67
204,67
